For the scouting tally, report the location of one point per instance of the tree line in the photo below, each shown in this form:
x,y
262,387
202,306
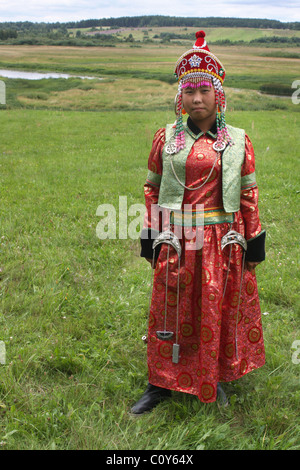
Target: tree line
x,y
61,34
163,21
8,33
152,21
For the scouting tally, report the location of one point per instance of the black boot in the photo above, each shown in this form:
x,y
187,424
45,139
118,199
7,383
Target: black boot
x,y
152,396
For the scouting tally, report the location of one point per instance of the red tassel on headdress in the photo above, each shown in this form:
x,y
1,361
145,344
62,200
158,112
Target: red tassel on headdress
x,y
200,34
200,41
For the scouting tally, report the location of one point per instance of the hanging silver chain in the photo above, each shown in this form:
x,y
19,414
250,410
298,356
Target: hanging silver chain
x,y
206,179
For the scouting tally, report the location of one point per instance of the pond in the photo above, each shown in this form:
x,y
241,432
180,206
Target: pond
x,y
38,75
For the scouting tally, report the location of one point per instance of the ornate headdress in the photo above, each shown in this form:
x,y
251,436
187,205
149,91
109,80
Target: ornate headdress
x,y
199,67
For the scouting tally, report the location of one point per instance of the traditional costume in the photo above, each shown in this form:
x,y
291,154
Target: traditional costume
x,y
201,225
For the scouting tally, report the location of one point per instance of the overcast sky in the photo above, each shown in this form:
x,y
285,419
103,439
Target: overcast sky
x,y
75,10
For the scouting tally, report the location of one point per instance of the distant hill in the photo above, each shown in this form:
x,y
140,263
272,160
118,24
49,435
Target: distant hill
x,y
108,32
161,21
157,21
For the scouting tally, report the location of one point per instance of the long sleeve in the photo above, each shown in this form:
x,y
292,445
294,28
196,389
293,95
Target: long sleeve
x,y
254,234
152,223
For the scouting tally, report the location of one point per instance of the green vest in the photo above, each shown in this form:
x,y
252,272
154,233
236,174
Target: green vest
x,y
171,192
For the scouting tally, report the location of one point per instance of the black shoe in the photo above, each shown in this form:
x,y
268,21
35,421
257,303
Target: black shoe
x,y
152,396
221,396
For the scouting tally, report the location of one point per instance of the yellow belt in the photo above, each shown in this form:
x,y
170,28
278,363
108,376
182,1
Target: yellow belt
x,y
195,218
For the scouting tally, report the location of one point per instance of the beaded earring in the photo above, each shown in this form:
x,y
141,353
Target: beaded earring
x,y
179,132
223,138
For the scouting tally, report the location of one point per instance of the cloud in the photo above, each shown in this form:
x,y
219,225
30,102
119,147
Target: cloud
x,y
75,10
46,10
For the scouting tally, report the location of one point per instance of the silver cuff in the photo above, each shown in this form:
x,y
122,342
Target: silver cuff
x,y
170,238
233,237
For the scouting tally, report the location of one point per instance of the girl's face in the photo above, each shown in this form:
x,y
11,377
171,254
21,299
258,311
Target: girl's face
x,y
200,104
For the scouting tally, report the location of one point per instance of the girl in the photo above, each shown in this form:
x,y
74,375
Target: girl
x,y
203,236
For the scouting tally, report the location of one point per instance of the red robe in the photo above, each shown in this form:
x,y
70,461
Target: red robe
x,y
219,340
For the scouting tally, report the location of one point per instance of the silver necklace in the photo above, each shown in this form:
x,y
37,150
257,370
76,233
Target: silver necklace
x,y
206,179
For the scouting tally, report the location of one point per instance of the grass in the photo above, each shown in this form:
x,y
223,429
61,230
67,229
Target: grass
x,y
141,78
136,94
214,34
248,69
73,307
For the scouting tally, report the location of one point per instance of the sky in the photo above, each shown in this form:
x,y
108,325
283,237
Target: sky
x,y
49,11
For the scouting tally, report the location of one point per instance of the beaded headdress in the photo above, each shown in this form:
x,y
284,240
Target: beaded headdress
x,y
199,67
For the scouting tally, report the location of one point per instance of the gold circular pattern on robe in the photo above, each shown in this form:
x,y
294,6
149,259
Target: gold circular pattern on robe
x,y
186,329
229,350
153,167
184,380
243,366
250,287
207,391
206,334
234,299
205,276
172,299
254,335
165,350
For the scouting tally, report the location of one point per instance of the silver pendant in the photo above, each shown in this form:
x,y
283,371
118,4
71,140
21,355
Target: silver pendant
x,y
165,335
219,146
170,239
230,238
175,354
171,148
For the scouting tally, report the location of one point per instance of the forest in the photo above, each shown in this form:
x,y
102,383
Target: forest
x,y
161,21
111,31
158,21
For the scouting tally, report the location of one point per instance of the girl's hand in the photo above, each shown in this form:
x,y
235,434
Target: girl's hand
x,y
251,265
150,261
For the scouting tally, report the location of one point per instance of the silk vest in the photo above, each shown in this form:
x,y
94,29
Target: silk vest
x,y
171,191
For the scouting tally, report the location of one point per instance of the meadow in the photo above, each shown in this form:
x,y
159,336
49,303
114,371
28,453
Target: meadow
x,y
73,308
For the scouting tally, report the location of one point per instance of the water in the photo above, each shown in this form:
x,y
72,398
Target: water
x,y
37,75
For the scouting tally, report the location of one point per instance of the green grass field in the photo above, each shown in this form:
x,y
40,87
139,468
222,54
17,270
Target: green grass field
x,y
213,33
73,307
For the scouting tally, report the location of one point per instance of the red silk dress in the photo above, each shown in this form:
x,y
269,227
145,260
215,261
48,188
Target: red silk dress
x,y
220,341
